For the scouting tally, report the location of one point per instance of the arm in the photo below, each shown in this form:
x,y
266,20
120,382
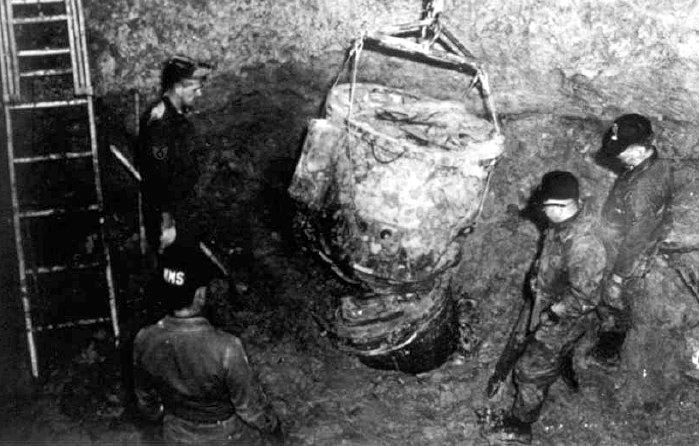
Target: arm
x,y
245,392
646,216
147,397
585,264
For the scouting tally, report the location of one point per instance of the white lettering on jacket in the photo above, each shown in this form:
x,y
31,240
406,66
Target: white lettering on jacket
x,y
173,277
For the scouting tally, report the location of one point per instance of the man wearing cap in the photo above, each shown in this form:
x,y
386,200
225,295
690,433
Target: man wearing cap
x,y
167,152
568,274
193,377
635,216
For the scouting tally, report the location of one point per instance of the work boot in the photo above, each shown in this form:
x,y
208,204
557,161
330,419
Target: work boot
x,y
607,351
511,430
568,374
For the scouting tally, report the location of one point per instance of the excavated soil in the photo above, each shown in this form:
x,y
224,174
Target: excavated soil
x,y
281,299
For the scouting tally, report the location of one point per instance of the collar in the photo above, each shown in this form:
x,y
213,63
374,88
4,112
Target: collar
x,y
195,323
170,106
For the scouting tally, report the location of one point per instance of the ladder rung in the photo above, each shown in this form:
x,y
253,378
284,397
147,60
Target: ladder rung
x,y
43,52
47,72
61,268
52,157
51,72
40,19
55,211
34,2
80,323
47,104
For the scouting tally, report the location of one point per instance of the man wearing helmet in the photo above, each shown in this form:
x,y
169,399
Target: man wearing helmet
x,y
192,377
568,273
635,216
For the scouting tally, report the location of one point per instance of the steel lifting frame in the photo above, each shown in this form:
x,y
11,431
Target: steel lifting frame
x,y
13,63
428,40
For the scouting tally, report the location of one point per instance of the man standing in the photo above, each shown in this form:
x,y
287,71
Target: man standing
x,y
568,272
635,216
192,376
167,153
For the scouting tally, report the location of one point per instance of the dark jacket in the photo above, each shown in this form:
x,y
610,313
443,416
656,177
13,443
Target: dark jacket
x,y
571,265
167,158
636,214
187,368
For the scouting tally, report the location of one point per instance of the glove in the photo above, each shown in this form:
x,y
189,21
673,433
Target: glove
x,y
549,317
168,231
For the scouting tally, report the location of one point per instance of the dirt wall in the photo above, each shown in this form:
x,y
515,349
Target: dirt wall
x,y
582,56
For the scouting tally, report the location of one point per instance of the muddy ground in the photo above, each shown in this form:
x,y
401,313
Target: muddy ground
x,y
281,297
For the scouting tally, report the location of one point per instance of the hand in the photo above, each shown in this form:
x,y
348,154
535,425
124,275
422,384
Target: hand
x,y
167,237
166,220
612,291
550,316
559,308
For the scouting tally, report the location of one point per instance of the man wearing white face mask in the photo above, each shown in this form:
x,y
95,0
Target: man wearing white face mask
x,y
636,217
568,274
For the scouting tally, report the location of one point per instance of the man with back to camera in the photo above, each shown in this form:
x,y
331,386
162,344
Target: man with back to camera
x,y
192,376
568,274
635,218
167,153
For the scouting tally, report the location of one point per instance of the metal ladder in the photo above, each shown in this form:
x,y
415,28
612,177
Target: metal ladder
x,y
57,205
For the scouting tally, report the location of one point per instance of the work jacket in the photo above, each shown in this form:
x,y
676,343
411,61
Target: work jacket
x,y
571,265
636,213
167,158
186,368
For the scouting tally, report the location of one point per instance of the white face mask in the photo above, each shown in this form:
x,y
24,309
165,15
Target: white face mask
x,y
558,211
167,237
633,155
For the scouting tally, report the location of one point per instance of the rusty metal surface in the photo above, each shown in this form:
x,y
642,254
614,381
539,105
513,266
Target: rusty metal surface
x,y
412,332
399,178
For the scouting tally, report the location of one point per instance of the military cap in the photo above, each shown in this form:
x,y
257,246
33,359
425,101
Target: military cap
x,y
179,68
559,185
184,268
625,131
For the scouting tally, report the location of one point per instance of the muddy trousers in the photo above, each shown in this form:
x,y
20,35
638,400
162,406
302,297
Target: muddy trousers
x,y
540,364
616,317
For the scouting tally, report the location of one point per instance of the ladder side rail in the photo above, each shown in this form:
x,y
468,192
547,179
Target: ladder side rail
x,y
19,246
14,58
100,203
10,61
4,62
81,40
74,62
